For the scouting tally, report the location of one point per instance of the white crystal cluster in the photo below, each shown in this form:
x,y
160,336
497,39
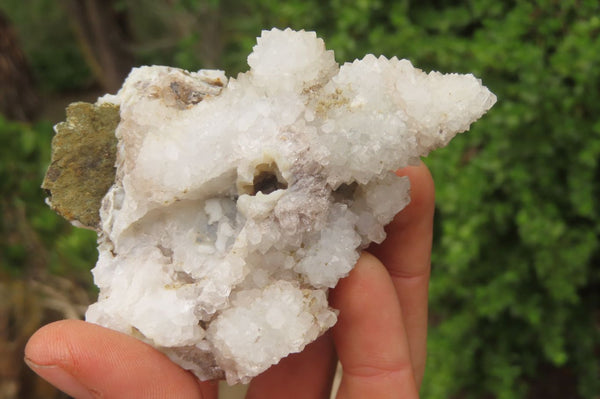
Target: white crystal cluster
x,y
238,203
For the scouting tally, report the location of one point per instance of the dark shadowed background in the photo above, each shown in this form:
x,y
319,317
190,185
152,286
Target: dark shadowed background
x,y
515,292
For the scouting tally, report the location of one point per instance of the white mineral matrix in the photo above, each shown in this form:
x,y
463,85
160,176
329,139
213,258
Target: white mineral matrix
x,y
238,203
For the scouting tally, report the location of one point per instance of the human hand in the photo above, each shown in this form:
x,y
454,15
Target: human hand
x,y
380,336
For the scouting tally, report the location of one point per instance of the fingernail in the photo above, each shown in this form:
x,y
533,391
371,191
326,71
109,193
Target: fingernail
x,y
60,379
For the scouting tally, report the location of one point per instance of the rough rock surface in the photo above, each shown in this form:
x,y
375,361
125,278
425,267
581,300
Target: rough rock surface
x,y
82,167
238,203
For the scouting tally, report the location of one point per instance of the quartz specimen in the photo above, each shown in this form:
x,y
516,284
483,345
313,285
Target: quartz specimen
x,y
238,203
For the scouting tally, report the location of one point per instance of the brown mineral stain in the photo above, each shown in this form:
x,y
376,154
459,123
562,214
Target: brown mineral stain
x,y
333,100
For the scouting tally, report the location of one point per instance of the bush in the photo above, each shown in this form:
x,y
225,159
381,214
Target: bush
x,y
515,292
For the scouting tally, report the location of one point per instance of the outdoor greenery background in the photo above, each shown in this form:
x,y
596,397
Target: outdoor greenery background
x,y
515,291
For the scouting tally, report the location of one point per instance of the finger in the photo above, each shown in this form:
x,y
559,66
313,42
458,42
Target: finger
x,y
369,335
88,361
406,253
308,374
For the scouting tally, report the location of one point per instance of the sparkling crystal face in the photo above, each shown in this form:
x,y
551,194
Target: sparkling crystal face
x,y
238,203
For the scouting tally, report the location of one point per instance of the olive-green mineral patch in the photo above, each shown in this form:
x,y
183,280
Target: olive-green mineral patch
x,y
82,167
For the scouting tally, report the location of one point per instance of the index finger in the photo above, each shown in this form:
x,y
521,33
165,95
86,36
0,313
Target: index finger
x,y
406,253
370,337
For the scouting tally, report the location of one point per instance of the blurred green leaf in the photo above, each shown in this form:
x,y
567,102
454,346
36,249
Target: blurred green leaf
x,y
515,287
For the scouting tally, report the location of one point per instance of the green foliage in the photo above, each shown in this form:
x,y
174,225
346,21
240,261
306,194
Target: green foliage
x,y
515,290
47,38
32,236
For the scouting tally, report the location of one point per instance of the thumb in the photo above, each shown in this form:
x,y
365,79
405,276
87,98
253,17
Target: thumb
x,y
88,361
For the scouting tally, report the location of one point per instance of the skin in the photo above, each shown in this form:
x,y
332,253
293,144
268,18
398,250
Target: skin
x,y
380,337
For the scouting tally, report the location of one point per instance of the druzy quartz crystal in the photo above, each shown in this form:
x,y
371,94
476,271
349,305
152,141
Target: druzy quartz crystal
x,y
237,203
